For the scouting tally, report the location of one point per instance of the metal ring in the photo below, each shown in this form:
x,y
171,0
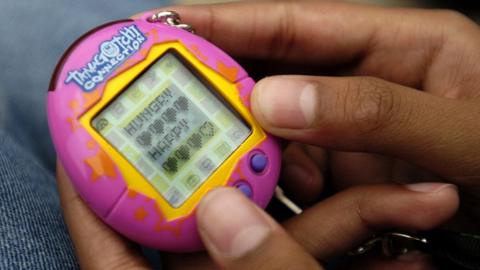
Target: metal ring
x,y
170,18
392,244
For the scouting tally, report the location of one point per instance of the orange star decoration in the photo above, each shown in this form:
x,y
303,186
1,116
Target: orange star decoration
x,y
143,52
74,125
73,104
230,73
91,144
239,86
245,98
75,108
198,53
132,194
154,35
140,214
90,98
101,165
239,174
162,225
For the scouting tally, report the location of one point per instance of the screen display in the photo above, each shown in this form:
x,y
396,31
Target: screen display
x,y
172,128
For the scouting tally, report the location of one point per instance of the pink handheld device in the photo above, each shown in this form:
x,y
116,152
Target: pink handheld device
x,y
146,118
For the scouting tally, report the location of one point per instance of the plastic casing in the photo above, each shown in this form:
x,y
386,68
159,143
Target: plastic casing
x,y
107,182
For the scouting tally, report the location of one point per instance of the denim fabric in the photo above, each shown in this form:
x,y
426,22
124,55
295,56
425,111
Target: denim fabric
x,y
33,36
33,235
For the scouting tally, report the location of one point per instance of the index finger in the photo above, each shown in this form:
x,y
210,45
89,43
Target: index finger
x,y
281,30
305,30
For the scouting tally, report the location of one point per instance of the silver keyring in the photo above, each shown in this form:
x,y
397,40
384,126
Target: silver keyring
x,y
170,18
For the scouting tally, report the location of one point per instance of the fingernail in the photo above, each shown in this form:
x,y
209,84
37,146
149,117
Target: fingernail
x,y
429,187
230,223
287,102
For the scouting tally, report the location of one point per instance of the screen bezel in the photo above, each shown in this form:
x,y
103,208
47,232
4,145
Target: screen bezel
x,y
236,93
211,88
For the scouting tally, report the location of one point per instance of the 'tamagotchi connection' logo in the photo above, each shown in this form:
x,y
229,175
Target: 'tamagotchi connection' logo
x,y
111,54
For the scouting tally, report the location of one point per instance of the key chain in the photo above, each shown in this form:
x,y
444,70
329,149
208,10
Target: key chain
x,y
449,249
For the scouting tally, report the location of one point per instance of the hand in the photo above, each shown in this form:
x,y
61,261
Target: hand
x,y
374,127
239,235
327,34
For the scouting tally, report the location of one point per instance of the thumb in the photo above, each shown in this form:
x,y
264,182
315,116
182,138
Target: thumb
x,y
365,114
238,235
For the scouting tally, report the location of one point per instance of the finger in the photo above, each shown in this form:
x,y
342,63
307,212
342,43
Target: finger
x,y
318,155
96,245
343,221
326,33
238,235
290,25
350,169
365,114
301,177
356,168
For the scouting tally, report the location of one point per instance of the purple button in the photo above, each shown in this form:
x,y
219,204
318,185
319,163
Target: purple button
x,y
258,162
245,189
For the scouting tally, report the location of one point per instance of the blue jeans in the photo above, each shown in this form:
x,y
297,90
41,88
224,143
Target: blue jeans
x,y
33,36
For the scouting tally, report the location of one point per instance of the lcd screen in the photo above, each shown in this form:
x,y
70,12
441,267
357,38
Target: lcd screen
x,y
172,128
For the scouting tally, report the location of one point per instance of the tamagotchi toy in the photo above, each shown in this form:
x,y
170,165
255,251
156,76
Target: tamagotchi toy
x,y
146,118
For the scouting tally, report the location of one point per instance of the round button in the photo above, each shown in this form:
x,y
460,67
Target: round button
x,y
258,162
245,189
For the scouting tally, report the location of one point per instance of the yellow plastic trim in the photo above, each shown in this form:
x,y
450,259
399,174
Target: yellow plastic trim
x,y
134,180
